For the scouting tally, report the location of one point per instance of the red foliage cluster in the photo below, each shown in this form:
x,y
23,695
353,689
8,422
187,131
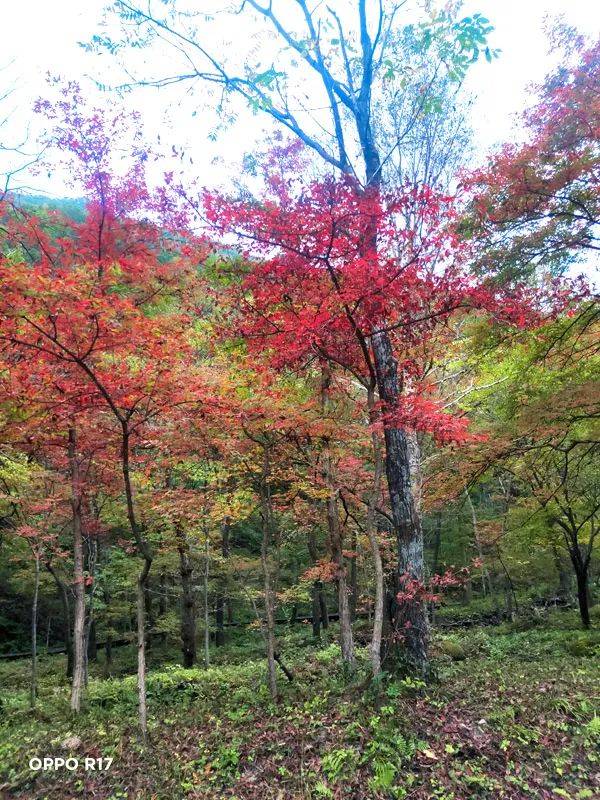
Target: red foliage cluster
x,y
413,590
319,288
545,193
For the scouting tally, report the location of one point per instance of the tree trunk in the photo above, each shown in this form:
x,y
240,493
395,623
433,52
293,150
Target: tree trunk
x,y
145,553
266,514
335,534
108,656
323,607
148,610
583,595
162,597
64,600
410,618
376,638
333,523
188,603
485,577
316,611
220,621
437,543
320,615
206,613
78,578
141,644
270,622
222,599
34,615
563,590
92,648
353,576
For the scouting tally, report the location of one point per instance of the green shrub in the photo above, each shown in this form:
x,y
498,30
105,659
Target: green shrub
x,y
451,648
580,647
338,762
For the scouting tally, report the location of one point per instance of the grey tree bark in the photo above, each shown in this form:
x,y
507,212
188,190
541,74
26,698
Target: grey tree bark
x,y
146,555
206,609
34,623
375,645
78,577
335,533
222,599
267,521
485,576
66,613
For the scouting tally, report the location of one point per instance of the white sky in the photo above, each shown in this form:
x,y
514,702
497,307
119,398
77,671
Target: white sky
x,y
39,36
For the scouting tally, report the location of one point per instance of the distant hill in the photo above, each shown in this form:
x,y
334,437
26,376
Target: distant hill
x,y
72,207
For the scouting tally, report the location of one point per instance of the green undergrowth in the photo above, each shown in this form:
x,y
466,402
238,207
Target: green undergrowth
x,y
508,714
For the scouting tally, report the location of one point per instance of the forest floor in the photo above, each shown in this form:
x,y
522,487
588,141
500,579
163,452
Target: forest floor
x,y
511,714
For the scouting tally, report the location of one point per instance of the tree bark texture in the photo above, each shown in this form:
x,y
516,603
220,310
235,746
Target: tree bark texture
x,y
188,603
34,623
78,577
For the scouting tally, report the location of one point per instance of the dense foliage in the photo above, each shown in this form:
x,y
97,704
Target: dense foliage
x,y
242,437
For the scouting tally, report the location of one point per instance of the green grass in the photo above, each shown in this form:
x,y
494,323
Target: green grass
x,y
517,716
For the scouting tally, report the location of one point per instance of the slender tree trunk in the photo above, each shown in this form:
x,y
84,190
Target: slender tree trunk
x,y
316,611
222,599
141,644
34,621
335,534
414,464
220,621
320,615
145,553
188,603
206,611
92,648
510,595
66,611
353,576
583,595
468,586
437,543
375,646
323,607
148,611
485,576
266,514
162,598
563,590
108,656
78,578
108,643
333,523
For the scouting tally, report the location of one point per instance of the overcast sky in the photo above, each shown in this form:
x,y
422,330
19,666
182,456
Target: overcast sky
x,y
41,37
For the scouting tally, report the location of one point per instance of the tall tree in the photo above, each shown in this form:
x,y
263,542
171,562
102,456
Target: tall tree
x,y
97,322
348,60
537,204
